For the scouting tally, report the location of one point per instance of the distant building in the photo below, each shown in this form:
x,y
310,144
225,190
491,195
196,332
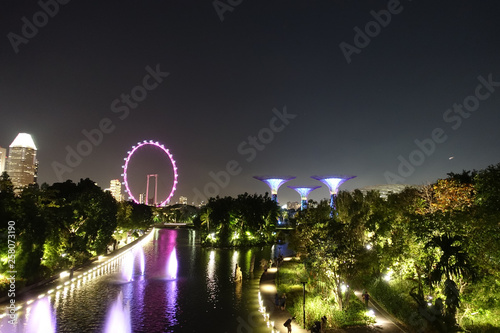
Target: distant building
x,y
385,189
142,198
115,187
22,165
3,159
183,200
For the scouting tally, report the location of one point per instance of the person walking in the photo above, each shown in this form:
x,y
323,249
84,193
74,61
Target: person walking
x,y
288,324
283,302
366,298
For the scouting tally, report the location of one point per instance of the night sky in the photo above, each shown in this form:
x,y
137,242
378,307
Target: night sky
x,y
344,102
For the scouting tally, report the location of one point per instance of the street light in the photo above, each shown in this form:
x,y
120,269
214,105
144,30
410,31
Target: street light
x,y
304,304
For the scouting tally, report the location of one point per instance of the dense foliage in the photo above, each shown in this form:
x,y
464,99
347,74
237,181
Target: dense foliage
x,y
319,301
62,226
244,220
428,253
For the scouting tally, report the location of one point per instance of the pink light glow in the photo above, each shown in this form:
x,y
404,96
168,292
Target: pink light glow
x,y
118,319
41,317
170,156
172,265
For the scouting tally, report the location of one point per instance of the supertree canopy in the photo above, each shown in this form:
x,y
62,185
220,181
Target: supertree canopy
x,y
333,183
274,183
304,192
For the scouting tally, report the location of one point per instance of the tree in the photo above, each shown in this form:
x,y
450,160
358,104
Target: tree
x,y
244,220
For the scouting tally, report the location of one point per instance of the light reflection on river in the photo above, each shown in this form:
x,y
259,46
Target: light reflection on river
x,y
203,298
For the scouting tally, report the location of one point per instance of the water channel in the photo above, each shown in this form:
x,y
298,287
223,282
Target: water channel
x,y
196,293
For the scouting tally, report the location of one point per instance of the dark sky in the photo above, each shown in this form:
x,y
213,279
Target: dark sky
x,y
226,77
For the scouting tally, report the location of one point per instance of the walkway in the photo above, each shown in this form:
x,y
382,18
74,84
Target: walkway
x,y
384,322
276,315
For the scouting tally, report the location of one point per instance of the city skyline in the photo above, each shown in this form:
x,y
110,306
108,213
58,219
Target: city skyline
x,y
390,91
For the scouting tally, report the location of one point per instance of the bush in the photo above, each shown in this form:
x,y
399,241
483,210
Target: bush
x,y
480,310
317,305
395,298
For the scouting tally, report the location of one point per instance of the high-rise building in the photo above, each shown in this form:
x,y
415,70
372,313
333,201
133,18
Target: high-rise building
x,y
3,159
293,205
183,200
22,165
142,197
115,187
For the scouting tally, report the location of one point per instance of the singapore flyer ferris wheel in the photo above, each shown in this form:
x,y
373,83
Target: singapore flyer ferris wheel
x,y
125,167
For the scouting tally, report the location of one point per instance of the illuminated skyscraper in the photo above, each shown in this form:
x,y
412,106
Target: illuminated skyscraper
x,y
115,187
3,159
304,192
274,183
333,183
21,163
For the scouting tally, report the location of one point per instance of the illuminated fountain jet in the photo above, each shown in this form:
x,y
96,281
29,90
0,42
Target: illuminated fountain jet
x,y
172,266
333,183
139,254
41,317
127,269
274,183
304,192
118,319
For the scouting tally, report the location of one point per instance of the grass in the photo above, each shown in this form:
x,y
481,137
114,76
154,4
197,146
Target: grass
x,y
395,298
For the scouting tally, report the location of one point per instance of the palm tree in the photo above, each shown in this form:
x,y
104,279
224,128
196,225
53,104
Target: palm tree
x,y
205,217
453,263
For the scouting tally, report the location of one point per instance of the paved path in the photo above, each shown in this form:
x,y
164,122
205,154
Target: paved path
x,y
267,291
384,322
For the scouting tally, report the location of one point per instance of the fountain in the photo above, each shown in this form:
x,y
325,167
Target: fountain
x,y
172,266
41,318
118,319
127,267
139,253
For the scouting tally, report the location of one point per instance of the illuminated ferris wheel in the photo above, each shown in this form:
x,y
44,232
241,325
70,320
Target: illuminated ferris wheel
x,y
130,153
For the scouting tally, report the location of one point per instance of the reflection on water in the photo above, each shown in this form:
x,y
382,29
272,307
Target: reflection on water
x,y
171,311
212,285
202,297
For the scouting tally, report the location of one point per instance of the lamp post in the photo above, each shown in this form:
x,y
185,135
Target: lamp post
x,y
304,304
278,266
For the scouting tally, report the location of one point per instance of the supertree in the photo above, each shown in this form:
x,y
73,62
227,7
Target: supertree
x,y
333,183
274,183
304,192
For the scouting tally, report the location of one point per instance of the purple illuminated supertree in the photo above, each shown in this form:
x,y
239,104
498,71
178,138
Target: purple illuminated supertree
x,y
333,183
274,183
304,192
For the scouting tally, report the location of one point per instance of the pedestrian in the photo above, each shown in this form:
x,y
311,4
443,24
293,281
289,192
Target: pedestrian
x,y
366,298
323,324
276,300
283,301
288,324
